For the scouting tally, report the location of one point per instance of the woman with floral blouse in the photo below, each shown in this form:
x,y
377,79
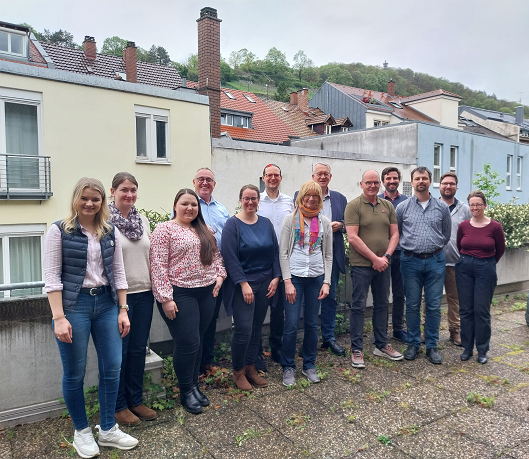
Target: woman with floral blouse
x,y
187,273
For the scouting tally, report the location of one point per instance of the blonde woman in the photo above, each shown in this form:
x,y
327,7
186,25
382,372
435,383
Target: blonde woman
x,y
87,290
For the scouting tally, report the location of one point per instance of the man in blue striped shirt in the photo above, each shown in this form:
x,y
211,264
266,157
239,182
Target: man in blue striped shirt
x,y
424,229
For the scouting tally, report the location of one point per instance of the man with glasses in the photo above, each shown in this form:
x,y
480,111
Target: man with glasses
x,y
334,204
275,206
215,215
424,229
391,180
459,212
372,232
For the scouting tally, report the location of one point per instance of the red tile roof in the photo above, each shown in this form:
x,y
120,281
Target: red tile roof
x,y
106,66
406,112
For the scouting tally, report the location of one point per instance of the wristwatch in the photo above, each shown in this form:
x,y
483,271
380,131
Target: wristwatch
x,y
388,256
124,306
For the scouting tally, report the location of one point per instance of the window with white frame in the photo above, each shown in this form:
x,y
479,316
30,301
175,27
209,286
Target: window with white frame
x,y
328,129
377,123
20,140
21,250
152,134
228,119
437,153
453,159
508,179
519,164
13,42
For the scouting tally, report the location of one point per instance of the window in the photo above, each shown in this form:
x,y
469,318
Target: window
x,y
249,98
407,188
230,95
328,129
395,104
22,169
436,165
236,120
453,159
377,123
519,163
21,257
152,135
508,183
13,42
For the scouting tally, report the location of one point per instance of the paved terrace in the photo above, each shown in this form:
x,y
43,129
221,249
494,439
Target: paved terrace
x,y
389,410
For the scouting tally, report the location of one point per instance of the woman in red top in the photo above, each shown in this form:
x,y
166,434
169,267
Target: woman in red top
x,y
481,243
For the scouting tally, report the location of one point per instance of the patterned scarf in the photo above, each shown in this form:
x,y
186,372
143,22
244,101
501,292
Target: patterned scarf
x,y
299,227
131,227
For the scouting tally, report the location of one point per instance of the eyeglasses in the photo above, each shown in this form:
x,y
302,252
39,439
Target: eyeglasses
x,y
322,174
476,205
204,179
253,199
273,175
448,184
372,183
313,196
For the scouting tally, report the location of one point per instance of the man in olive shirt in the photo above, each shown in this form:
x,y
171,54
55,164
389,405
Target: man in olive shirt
x,y
372,232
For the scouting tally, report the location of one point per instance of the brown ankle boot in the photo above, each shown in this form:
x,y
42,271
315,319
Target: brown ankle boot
x,y
144,412
126,418
240,380
455,337
253,376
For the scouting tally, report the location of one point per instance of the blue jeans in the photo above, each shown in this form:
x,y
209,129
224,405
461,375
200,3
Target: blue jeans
x,y
476,280
397,289
428,273
329,306
98,316
130,393
248,324
309,289
362,278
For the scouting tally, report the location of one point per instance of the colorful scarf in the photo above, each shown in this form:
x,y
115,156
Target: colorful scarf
x,y
131,227
299,227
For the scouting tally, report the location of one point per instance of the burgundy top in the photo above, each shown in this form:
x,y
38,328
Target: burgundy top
x,y
485,242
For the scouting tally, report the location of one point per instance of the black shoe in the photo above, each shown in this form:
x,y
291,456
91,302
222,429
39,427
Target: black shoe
x,y
260,364
466,355
189,402
202,399
334,347
275,355
434,356
482,358
412,352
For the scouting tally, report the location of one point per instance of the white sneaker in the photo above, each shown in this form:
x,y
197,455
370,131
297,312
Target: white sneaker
x,y
84,443
115,438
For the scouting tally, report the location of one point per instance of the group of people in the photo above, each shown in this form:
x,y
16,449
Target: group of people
x,y
104,269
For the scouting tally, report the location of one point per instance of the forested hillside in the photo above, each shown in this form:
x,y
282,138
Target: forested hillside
x,y
275,77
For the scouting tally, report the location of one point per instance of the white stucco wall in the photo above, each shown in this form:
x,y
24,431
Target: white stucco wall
x,y
442,109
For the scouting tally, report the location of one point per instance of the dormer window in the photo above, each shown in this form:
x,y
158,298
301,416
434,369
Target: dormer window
x,y
13,42
236,118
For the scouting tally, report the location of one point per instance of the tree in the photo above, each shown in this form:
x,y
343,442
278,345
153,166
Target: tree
x,y
114,46
226,72
282,93
301,62
60,37
276,65
488,181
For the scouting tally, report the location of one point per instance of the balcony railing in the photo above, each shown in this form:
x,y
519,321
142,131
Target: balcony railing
x,y
25,177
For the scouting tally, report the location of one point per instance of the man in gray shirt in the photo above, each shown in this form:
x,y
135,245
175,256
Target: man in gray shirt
x,y
424,228
459,212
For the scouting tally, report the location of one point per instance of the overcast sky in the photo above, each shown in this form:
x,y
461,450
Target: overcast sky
x,y
483,44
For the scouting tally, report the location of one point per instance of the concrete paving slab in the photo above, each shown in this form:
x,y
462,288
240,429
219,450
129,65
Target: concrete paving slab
x,y
515,403
519,452
378,452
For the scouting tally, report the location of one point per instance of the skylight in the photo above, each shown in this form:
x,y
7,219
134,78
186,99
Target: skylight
x,y
395,104
249,98
285,109
230,95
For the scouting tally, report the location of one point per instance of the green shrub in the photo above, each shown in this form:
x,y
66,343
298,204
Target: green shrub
x,y
515,222
154,217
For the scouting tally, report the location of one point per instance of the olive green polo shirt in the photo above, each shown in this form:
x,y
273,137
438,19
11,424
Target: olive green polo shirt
x,y
373,223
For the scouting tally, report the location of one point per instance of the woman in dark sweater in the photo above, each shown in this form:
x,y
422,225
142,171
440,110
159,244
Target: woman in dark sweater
x,y
481,243
251,256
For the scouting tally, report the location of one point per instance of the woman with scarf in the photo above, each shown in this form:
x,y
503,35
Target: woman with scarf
x,y
305,255
135,235
250,252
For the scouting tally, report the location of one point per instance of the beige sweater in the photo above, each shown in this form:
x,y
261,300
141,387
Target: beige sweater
x,y
136,260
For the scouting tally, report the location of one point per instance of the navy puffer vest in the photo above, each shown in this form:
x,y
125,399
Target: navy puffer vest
x,y
74,259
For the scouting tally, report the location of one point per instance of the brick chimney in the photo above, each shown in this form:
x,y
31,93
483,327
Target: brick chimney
x,y
293,98
89,47
303,100
209,64
391,87
131,62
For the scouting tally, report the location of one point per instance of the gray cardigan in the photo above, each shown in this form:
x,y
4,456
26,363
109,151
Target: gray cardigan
x,y
286,245
460,213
